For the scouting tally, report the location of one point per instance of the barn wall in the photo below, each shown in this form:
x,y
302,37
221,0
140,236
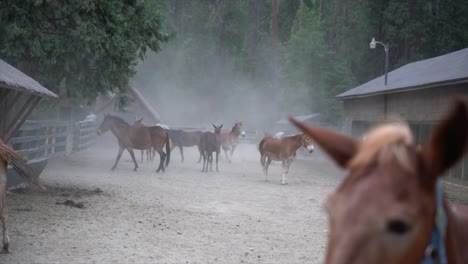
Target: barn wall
x,y
428,106
422,109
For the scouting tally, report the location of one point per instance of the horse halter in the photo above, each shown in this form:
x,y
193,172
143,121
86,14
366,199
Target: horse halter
x,y
435,251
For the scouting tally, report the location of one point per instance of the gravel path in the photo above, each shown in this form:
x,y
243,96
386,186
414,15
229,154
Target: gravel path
x,y
182,216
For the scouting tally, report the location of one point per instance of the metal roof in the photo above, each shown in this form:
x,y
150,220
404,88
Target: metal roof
x,y
301,118
447,69
12,78
145,103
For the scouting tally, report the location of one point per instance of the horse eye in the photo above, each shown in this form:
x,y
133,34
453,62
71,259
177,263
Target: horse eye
x,y
397,227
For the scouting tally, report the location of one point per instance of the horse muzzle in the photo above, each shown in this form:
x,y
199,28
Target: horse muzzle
x,y
310,148
98,132
243,134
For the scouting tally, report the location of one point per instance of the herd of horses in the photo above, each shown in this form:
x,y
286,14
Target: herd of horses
x,y
390,208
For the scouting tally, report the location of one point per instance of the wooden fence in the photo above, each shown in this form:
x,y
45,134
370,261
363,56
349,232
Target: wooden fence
x,y
40,140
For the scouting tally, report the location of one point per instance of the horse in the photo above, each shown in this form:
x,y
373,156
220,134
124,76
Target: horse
x,y
283,149
210,142
150,151
181,138
137,137
229,140
390,208
8,155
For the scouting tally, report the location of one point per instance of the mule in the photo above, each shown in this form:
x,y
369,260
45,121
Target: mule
x,y
8,155
137,137
283,149
210,142
391,208
181,139
229,140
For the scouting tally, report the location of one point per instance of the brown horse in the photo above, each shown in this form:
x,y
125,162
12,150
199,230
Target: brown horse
x,y
136,137
283,149
150,151
210,142
8,155
181,138
391,208
229,140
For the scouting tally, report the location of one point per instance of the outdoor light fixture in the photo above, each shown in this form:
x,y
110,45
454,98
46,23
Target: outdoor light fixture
x,y
372,45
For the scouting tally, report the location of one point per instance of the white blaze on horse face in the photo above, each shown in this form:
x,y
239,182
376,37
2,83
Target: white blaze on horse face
x,y
310,148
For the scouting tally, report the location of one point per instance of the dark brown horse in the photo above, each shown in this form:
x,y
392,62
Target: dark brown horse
x,y
283,149
391,208
210,142
181,138
136,137
229,140
8,155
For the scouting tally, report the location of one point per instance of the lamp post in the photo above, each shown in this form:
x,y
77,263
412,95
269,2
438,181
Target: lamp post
x,y
372,45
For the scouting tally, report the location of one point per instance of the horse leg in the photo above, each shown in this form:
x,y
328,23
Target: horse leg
x,y
262,162
142,152
200,151
181,153
211,161
204,160
217,156
268,162
233,147
4,218
121,149
3,206
226,153
133,158
162,158
286,164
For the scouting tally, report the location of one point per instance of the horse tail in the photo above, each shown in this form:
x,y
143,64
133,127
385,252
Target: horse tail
x,y
168,148
15,159
260,148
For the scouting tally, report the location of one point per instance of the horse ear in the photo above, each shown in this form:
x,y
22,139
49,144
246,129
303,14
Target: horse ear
x,y
339,147
213,126
448,142
221,126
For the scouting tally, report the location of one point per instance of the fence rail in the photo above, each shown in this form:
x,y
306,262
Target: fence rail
x,y
40,140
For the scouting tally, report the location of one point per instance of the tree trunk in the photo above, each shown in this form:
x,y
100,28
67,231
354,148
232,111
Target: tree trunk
x,y
434,7
321,10
274,49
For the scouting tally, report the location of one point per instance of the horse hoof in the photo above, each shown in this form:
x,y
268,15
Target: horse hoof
x,y
284,183
112,169
6,250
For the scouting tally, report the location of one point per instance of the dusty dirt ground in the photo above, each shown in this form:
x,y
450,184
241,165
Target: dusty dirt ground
x,y
182,216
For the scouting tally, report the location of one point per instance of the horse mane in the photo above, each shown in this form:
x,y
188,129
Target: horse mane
x,y
383,145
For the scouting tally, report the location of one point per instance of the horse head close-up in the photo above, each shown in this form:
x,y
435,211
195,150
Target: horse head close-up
x,y
391,207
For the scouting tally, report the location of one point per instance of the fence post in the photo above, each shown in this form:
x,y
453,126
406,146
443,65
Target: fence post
x,y
70,134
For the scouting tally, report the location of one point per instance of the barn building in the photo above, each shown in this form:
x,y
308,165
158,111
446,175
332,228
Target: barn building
x,y
19,95
138,107
420,92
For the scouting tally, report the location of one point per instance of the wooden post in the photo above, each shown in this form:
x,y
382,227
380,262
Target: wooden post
x,y
69,140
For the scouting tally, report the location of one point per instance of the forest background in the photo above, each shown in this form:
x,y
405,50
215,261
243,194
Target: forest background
x,y
220,60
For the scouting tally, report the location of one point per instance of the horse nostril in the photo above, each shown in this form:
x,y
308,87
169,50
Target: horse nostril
x,y
397,227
